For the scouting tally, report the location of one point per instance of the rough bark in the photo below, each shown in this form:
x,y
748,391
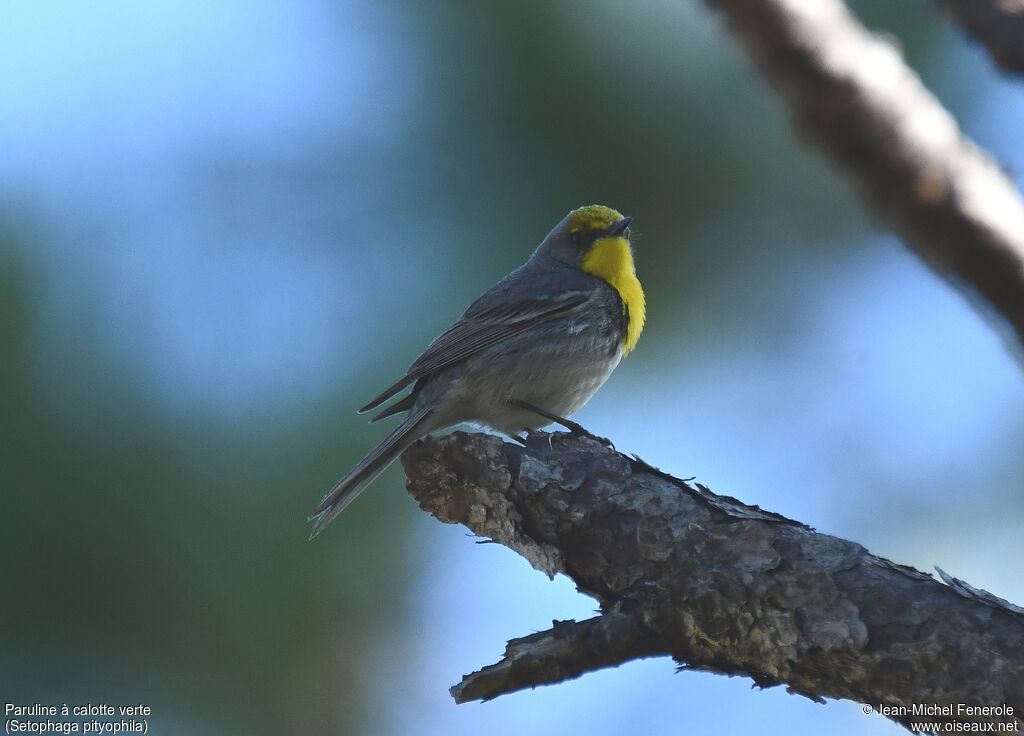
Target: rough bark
x,y
718,585
850,93
996,24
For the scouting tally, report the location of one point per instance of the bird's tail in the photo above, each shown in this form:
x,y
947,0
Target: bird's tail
x,y
356,480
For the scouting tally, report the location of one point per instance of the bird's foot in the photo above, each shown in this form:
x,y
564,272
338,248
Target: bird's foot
x,y
521,439
573,427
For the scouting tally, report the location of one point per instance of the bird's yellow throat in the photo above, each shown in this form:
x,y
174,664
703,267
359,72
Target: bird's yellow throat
x,y
611,259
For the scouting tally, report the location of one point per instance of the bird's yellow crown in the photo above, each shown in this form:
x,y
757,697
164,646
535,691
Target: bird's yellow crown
x,y
593,217
611,259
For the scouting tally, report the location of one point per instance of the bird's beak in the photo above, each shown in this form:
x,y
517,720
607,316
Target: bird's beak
x,y
619,228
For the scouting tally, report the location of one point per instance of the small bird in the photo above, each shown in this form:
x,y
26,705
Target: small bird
x,y
530,351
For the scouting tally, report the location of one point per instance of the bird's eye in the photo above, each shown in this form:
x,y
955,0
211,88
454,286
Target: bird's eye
x,y
577,237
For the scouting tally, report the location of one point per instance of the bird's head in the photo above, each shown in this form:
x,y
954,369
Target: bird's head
x,y
583,230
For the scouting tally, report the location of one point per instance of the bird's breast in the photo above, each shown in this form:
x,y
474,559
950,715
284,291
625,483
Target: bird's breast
x,y
611,259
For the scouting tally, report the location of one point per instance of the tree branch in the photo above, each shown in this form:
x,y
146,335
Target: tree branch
x,y
997,24
851,94
564,652
719,585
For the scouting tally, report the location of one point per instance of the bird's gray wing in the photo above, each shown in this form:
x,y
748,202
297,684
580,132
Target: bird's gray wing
x,y
486,322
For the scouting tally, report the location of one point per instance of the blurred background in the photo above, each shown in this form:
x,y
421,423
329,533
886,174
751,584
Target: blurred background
x,y
224,226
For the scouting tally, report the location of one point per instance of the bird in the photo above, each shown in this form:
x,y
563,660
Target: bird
x,y
530,351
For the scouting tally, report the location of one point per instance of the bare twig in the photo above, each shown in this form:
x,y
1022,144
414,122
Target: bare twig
x,y
850,93
565,651
998,24
718,585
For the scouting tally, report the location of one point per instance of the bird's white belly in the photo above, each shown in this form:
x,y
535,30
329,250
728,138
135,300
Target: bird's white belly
x,y
559,381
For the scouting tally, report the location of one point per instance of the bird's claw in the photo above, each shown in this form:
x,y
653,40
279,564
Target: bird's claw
x,y
574,428
521,439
